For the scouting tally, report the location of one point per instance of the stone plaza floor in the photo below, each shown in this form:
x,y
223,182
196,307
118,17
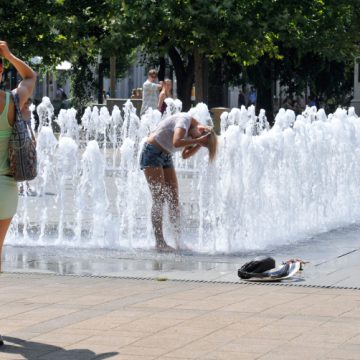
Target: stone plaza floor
x,y
83,304
53,317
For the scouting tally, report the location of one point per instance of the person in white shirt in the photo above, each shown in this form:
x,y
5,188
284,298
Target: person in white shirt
x,y
150,92
181,131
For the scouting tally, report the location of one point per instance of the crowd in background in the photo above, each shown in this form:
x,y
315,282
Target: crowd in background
x,y
248,97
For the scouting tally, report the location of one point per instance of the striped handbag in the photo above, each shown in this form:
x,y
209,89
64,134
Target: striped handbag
x,y
22,147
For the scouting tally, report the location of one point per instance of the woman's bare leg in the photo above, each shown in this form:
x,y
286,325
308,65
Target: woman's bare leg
x,y
155,179
172,197
4,226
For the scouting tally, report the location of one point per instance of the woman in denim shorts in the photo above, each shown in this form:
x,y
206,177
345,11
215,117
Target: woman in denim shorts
x,y
181,131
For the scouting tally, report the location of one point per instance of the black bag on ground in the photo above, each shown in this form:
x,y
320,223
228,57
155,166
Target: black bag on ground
x,y
256,267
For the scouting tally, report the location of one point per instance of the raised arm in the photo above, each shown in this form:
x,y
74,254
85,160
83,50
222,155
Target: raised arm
x,y
152,86
27,84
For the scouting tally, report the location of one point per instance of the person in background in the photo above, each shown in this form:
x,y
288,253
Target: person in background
x,y
105,96
252,96
60,93
133,94
8,186
288,104
150,92
299,105
241,98
312,101
166,92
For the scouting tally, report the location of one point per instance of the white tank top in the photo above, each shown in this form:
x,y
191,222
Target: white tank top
x,y
164,132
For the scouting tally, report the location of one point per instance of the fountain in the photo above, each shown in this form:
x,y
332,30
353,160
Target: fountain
x,y
267,187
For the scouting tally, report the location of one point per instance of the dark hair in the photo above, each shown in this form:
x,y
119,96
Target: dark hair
x,y
1,61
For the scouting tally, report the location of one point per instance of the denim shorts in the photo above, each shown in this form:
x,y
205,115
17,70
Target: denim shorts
x,y
152,156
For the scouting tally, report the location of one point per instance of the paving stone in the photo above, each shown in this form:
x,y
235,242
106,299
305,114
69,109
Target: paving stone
x,y
85,318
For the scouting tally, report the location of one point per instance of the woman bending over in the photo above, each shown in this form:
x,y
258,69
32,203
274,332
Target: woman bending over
x,y
181,131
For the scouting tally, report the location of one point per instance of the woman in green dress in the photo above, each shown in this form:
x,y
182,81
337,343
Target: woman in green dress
x,y
8,187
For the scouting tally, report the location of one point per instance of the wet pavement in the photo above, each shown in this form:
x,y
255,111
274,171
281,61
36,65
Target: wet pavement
x,y
334,261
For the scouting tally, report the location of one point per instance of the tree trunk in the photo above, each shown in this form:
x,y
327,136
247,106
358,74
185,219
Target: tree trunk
x,y
161,73
225,89
184,71
264,88
184,87
112,76
100,83
264,101
199,76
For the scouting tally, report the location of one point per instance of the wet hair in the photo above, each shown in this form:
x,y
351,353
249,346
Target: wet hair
x,y
212,140
212,144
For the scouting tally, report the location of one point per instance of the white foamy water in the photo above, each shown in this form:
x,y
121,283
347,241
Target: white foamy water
x,y
266,188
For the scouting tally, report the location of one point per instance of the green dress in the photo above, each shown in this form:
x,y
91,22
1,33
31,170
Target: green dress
x,y
8,186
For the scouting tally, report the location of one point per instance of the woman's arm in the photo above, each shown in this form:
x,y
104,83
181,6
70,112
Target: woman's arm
x,y
26,86
180,141
190,151
152,86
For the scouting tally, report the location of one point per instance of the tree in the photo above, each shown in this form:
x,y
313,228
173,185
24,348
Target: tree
x,y
28,27
192,32
58,30
312,37
261,37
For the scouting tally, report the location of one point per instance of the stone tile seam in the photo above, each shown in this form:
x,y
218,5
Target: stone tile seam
x,y
270,284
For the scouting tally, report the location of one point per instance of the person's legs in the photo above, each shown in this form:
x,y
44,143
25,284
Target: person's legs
x,y
172,197
4,226
155,179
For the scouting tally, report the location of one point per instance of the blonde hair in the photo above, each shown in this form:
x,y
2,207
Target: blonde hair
x,y
212,144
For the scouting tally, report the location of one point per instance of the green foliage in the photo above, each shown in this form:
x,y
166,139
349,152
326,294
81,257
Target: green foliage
x,y
241,33
28,28
82,84
57,30
245,32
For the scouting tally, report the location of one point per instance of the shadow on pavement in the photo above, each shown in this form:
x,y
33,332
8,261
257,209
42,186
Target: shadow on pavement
x,y
30,350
